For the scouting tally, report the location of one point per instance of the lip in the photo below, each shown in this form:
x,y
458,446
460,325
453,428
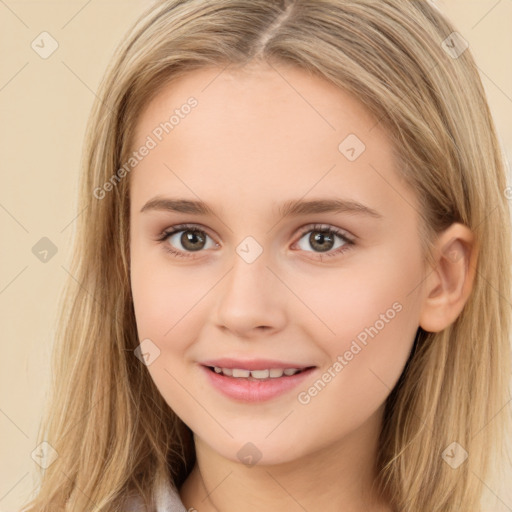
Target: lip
x,y
251,391
253,364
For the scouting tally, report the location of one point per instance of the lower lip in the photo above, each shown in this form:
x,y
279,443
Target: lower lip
x,y
246,390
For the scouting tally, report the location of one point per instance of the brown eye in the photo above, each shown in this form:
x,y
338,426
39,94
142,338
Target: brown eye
x,y
182,240
323,240
192,240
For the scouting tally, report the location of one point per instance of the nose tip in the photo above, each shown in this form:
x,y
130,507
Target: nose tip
x,y
248,301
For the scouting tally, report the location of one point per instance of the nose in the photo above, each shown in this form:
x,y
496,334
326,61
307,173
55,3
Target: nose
x,y
251,299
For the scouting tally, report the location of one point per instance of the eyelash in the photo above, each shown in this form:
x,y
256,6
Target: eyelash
x,y
348,242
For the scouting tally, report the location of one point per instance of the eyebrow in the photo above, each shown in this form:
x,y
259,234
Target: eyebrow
x,y
290,208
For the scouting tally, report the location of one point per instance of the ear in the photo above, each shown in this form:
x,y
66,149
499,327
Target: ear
x,y
449,283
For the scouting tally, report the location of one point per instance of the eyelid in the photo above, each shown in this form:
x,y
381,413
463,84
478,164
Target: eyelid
x,y
309,227
182,227
343,233
346,236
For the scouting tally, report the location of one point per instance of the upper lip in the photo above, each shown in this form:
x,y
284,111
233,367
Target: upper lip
x,y
254,364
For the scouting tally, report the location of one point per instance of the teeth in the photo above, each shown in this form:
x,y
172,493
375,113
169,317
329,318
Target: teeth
x,y
260,374
273,373
240,373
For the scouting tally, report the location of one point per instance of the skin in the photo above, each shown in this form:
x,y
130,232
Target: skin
x,y
258,137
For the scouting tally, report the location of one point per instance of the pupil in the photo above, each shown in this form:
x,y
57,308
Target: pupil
x,y
190,238
319,240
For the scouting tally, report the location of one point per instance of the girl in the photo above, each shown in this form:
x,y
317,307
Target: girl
x,y
293,268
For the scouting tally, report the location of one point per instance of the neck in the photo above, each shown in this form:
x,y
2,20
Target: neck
x,y
336,477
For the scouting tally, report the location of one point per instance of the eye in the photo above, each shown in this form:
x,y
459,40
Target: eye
x,y
323,240
193,239
188,236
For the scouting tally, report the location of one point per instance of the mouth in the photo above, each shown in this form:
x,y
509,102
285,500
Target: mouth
x,y
257,375
249,386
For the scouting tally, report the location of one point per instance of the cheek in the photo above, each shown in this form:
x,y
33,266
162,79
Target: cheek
x,y
364,365
167,303
370,315
165,298
365,313
170,305
346,300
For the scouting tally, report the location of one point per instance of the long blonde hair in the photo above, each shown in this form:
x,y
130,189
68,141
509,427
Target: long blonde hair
x,y
111,429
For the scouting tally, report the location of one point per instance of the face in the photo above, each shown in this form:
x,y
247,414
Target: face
x,y
250,278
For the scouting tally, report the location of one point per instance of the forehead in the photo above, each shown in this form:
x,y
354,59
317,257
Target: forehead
x,y
259,96
258,131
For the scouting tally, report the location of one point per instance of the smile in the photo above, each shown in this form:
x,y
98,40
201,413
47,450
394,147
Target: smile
x,y
255,385
272,373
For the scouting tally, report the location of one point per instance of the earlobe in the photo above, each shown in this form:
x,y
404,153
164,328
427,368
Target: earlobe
x,y
449,283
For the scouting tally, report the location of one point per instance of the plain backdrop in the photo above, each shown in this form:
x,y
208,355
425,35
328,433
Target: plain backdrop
x,y
44,105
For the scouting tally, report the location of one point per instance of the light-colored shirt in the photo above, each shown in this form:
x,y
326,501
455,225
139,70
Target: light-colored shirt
x,y
167,500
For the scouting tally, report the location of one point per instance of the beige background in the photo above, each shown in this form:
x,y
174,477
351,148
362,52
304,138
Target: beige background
x,y
44,106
